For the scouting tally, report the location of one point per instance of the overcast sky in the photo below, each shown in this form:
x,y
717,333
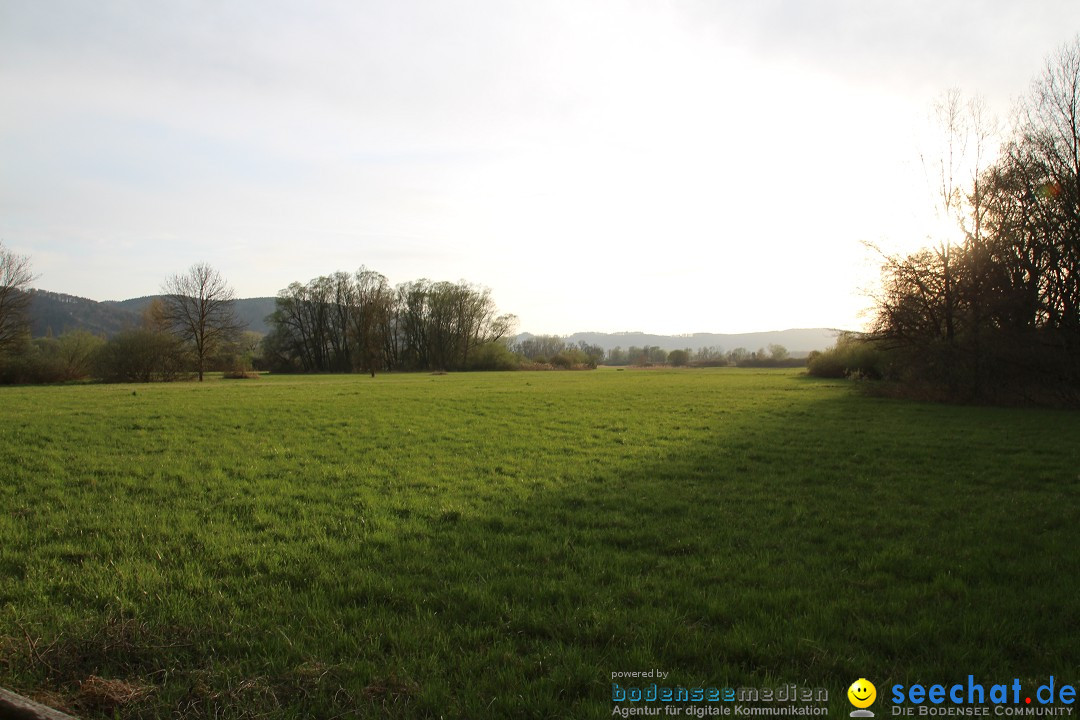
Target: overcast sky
x,y
671,167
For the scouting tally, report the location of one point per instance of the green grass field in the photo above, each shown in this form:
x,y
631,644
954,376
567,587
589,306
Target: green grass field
x,y
497,545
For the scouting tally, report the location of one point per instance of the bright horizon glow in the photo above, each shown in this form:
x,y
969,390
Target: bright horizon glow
x,y
672,168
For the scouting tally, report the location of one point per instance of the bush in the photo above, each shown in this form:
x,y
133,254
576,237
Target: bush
x,y
238,356
143,356
29,364
678,358
48,360
769,362
573,359
77,352
493,356
240,375
852,355
562,361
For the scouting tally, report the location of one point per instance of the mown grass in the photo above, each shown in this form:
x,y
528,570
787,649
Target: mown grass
x,y
496,545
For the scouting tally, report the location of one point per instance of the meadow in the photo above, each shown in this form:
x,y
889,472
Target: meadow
x,y
498,544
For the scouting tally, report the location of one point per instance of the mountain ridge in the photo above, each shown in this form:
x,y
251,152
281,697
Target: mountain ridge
x,y
55,313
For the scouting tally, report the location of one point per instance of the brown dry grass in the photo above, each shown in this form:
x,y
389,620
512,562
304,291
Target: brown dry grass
x,y
104,695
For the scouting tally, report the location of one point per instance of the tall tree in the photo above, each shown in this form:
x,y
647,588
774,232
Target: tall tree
x,y
999,315
199,305
15,277
1051,139
371,320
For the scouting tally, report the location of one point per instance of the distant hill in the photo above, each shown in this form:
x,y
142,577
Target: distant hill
x,y
251,311
56,313
797,341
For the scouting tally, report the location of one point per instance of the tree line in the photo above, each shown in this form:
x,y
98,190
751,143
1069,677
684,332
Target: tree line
x,y
343,322
994,316
556,351
357,322
188,331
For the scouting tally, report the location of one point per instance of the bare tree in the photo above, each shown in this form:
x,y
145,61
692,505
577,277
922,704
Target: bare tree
x,y
15,276
371,319
199,305
1051,136
999,314
946,168
154,317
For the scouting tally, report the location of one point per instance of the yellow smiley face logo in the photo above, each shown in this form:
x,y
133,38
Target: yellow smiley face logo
x,y
862,693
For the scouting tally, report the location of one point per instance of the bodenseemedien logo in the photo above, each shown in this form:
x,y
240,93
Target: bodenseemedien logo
x,y
862,695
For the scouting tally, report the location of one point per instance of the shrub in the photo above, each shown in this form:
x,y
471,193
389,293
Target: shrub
x,y
678,358
48,360
852,355
573,358
28,363
143,356
562,360
493,356
758,361
240,375
77,353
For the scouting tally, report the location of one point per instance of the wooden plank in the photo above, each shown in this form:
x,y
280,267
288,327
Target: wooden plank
x,y
16,707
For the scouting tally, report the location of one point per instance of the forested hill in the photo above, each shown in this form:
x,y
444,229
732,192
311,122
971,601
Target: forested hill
x,y
56,313
251,311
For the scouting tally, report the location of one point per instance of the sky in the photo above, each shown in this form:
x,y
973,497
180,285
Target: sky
x,y
668,166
